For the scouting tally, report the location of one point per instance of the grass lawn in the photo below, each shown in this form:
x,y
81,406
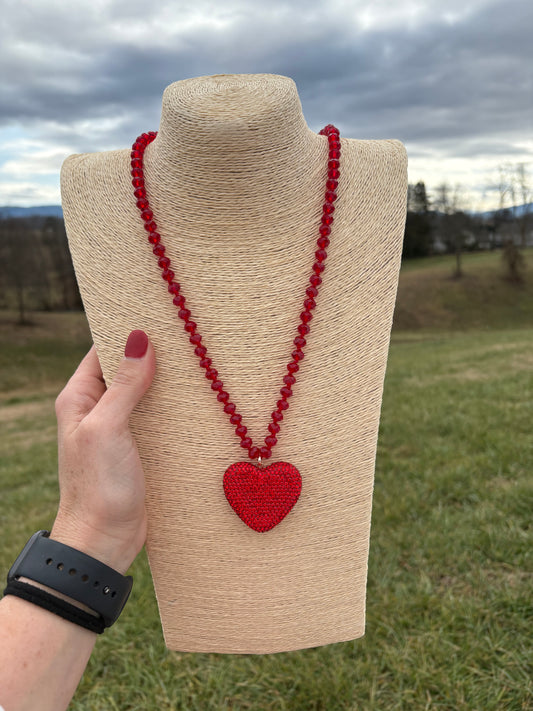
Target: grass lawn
x,y
449,604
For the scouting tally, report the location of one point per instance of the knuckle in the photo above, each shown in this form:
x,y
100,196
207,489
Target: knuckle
x,y
92,428
61,401
122,378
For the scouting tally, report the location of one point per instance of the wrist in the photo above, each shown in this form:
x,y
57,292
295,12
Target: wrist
x,y
58,594
91,541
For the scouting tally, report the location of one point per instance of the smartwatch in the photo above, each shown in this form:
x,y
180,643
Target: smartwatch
x,y
73,573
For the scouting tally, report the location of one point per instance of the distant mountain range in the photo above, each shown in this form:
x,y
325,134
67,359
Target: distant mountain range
x,y
56,211
41,210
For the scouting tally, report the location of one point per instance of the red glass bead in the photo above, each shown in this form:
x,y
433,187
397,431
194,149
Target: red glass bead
x,y
334,150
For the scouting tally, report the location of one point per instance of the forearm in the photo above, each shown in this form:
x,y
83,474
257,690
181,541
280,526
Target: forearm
x,y
42,655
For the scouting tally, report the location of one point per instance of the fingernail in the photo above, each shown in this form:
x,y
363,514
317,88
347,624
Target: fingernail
x,y
137,344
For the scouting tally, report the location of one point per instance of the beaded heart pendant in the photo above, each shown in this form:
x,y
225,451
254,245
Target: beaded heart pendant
x,y
260,497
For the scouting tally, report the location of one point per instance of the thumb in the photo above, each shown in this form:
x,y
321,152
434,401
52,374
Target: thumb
x,y
132,379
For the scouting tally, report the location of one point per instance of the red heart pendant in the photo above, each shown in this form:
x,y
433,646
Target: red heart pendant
x,y
262,497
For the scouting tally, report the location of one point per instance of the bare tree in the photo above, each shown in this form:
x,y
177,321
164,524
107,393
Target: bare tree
x,y
524,192
513,186
450,202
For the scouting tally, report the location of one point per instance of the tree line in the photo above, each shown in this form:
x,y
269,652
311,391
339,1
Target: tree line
x,y
441,223
36,270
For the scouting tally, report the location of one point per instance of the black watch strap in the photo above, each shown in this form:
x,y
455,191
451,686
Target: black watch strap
x,y
73,573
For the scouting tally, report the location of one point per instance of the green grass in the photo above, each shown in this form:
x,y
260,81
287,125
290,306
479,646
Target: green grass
x,y
449,604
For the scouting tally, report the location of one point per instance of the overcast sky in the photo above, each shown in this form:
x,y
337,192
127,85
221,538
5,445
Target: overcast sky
x,y
453,80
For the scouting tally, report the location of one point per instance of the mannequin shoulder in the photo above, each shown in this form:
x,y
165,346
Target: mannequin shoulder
x,y
389,151
83,167
89,180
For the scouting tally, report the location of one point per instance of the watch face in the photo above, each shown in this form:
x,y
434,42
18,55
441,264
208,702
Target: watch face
x,y
13,570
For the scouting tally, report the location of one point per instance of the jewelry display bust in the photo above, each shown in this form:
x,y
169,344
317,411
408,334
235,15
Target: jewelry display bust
x,y
236,180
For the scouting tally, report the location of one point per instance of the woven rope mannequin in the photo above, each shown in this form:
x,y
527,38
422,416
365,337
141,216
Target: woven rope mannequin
x,y
236,184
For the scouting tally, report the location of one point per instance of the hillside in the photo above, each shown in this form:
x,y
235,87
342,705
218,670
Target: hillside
x,y
430,298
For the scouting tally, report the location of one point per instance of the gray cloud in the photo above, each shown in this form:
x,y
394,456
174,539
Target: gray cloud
x,y
432,82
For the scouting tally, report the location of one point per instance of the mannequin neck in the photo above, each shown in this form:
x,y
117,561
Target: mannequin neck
x,y
230,137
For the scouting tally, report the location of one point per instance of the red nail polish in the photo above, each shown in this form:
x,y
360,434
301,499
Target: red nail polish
x,y
137,344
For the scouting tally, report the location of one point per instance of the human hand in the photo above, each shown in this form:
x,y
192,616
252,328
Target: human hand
x,y
102,509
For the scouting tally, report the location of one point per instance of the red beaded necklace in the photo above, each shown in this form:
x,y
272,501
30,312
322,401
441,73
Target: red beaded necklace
x,y
261,497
